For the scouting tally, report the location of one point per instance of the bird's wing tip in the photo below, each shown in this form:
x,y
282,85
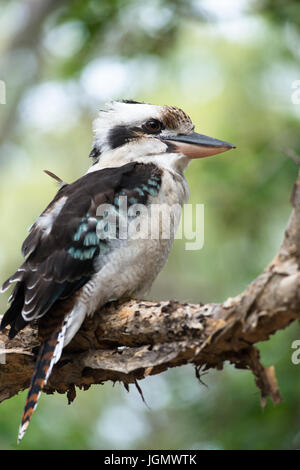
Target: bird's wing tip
x,y
5,286
55,177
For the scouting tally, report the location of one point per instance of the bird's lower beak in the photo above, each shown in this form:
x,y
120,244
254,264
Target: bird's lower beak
x,y
198,145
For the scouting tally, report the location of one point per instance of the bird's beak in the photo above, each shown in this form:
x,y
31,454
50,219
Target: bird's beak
x,y
197,145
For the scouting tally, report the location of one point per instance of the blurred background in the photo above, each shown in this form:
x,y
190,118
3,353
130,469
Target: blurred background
x,y
232,65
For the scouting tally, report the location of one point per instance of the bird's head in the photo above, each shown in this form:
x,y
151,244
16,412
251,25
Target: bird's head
x,y
131,131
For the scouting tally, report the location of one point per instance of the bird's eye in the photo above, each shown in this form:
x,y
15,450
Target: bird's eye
x,y
153,126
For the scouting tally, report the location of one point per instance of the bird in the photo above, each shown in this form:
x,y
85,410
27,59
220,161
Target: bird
x,y
76,257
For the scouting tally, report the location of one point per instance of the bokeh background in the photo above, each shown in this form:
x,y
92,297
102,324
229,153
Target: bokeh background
x,y
231,65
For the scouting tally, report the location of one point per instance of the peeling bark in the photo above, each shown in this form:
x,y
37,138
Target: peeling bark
x,y
130,340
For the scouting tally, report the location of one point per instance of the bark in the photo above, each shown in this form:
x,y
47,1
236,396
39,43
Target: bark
x,y
127,341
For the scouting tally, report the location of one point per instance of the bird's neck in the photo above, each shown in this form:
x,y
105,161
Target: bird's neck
x,y
120,156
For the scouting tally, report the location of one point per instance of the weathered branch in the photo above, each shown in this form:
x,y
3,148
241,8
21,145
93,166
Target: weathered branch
x,y
131,340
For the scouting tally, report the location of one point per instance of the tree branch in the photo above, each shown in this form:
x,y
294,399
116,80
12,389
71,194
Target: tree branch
x,y
128,341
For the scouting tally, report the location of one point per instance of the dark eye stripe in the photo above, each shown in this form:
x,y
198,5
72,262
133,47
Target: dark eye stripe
x,y
120,135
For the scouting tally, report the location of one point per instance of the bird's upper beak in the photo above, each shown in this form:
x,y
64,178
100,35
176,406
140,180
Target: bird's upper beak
x,y
196,145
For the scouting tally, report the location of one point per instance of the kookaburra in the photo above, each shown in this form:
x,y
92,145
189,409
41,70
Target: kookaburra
x,y
72,267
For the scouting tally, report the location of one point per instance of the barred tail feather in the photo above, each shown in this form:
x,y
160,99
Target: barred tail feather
x,y
49,353
38,381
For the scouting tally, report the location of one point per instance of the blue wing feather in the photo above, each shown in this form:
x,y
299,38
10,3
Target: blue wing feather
x,y
64,243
